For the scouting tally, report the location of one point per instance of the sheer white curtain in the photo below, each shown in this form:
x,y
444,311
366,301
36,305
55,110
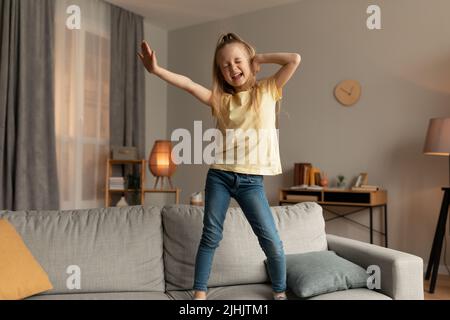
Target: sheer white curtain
x,y
82,70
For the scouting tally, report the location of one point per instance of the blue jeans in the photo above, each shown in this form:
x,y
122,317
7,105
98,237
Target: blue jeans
x,y
248,190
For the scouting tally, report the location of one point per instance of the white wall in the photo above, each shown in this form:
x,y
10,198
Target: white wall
x,y
156,104
404,70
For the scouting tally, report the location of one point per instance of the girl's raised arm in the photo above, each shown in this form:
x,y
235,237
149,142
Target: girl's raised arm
x,y
288,61
148,57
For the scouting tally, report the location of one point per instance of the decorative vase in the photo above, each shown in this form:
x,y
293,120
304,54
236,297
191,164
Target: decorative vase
x,y
122,202
324,181
196,199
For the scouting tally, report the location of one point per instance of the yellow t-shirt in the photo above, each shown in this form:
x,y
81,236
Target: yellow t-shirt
x,y
250,139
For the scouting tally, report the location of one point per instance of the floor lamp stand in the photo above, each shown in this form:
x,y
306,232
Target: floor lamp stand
x,y
435,255
161,178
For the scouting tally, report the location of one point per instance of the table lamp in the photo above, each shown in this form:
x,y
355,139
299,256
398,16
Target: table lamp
x,y
160,162
438,143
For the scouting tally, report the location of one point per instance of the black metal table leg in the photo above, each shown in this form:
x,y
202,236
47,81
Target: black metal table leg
x,y
371,225
385,226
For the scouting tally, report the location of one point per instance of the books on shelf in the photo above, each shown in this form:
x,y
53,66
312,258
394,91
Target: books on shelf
x,y
366,187
302,173
306,174
116,183
314,176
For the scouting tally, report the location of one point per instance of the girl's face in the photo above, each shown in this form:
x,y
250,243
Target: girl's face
x,y
234,63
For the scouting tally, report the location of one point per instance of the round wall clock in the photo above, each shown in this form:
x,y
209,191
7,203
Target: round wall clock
x,y
347,92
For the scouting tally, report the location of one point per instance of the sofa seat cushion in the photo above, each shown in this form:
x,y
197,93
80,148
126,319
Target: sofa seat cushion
x,y
264,292
239,292
351,294
97,250
239,258
105,296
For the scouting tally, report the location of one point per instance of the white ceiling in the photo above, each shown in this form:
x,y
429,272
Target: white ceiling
x,y
175,14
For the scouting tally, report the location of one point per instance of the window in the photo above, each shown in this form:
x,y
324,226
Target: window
x,y
82,62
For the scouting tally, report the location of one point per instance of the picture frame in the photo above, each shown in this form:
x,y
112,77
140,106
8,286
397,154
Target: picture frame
x,y
361,180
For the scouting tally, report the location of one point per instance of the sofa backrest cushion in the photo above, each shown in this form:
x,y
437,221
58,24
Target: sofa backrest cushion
x,y
239,258
102,250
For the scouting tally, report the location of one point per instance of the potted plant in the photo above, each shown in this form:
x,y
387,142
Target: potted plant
x,y
134,184
341,181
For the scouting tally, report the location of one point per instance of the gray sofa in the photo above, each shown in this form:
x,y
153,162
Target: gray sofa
x,y
149,253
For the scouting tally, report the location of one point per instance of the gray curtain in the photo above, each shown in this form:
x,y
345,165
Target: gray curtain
x,y
127,97
28,173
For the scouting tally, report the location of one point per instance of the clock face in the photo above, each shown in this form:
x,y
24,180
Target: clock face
x,y
348,92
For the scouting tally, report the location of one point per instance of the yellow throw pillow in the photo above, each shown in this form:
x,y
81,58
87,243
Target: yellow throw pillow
x,y
21,275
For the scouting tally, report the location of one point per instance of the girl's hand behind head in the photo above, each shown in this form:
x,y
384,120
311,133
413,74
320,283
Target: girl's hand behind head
x,y
256,65
148,57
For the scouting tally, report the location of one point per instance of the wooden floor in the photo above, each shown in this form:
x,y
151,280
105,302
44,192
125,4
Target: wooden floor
x,y
442,291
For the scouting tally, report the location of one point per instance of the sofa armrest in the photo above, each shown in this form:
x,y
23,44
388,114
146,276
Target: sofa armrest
x,y
401,273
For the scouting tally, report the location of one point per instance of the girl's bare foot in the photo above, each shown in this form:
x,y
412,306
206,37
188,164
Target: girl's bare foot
x,y
199,295
279,295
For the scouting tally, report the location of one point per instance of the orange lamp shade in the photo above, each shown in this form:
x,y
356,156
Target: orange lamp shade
x,y
160,161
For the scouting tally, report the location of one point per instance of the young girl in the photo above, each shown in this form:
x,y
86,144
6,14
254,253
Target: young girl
x,y
238,102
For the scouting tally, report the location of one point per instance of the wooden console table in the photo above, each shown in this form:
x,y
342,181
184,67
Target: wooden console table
x,y
342,197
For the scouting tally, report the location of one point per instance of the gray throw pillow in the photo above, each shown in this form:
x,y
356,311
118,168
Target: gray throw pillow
x,y
314,273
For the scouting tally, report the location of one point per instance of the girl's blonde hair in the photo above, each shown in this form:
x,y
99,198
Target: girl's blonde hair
x,y
221,87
